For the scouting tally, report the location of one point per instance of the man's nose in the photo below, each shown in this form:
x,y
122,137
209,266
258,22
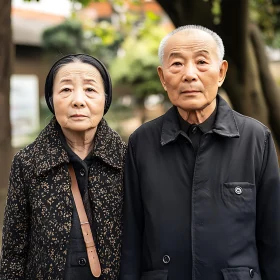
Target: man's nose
x,y
78,98
190,72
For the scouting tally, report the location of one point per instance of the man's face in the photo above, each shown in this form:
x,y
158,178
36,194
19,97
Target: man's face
x,y
191,72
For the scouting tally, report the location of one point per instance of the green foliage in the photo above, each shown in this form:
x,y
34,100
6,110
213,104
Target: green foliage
x,y
137,66
64,38
102,40
83,2
216,10
266,14
73,36
262,12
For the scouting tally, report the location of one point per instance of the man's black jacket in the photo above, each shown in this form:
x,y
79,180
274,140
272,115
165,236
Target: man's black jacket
x,y
210,217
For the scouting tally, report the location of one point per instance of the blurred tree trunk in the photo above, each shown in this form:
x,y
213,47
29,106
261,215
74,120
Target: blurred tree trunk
x,y
249,83
141,110
5,72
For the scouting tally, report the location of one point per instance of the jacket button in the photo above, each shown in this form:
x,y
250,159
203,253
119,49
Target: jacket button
x,y
238,190
194,130
82,261
82,172
252,273
166,259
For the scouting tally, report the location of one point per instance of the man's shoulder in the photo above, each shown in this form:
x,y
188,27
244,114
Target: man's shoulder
x,y
149,128
250,125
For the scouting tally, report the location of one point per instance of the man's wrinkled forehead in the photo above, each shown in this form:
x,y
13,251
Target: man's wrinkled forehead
x,y
195,39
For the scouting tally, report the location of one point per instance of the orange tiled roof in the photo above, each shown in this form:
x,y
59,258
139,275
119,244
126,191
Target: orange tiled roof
x,y
28,25
35,15
104,9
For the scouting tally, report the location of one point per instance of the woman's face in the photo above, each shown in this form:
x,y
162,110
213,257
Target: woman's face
x,y
78,97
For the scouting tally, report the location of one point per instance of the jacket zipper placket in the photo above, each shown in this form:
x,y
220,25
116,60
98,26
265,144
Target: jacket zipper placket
x,y
192,215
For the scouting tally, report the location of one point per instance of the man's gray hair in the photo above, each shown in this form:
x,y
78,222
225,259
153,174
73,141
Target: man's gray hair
x,y
215,36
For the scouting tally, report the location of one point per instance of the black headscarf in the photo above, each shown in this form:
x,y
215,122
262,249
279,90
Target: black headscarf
x,y
84,58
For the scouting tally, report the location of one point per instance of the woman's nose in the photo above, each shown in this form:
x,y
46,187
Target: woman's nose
x,y
78,99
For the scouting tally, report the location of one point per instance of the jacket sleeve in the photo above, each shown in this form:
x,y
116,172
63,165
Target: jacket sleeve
x,y
16,227
268,214
133,220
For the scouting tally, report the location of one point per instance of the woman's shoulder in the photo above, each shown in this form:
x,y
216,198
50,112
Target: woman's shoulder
x,y
44,136
115,137
38,152
112,137
109,146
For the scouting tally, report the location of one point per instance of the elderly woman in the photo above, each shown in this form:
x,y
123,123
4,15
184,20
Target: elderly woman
x,y
48,228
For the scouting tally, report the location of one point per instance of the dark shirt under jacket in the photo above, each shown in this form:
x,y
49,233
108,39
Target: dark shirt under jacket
x,y
195,131
77,265
189,139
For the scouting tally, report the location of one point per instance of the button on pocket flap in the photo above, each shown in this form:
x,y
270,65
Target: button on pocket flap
x,y
239,189
240,273
239,196
155,275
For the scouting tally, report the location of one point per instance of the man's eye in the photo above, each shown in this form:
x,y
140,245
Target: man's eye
x,y
177,63
201,62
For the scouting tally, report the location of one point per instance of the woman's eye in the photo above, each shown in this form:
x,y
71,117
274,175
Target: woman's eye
x,y
65,89
90,89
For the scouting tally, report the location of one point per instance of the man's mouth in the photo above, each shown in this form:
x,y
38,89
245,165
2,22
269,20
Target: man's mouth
x,y
190,91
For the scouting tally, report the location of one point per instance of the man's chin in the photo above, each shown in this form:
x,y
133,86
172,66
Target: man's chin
x,y
194,106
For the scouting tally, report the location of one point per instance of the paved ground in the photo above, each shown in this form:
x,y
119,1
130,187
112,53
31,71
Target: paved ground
x,y
3,193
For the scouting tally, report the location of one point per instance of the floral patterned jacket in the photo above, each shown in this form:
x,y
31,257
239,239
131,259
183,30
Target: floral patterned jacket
x,y
38,213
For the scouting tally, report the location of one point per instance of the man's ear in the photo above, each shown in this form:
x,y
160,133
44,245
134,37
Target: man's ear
x,y
161,76
223,71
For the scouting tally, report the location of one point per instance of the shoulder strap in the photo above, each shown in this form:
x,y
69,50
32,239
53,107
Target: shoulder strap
x,y
88,238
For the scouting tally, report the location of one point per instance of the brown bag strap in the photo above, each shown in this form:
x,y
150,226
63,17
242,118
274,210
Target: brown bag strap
x,y
88,238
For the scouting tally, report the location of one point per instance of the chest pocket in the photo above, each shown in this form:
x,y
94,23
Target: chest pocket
x,y
239,196
240,273
155,275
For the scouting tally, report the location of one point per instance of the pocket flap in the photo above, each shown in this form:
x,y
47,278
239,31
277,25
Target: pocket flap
x,y
245,185
240,273
155,275
234,193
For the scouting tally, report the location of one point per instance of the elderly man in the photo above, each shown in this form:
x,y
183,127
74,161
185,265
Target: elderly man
x,y
202,186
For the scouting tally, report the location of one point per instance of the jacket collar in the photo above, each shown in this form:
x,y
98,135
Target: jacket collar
x,y
50,153
225,123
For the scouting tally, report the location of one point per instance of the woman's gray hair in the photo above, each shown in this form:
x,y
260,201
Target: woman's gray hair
x,y
215,36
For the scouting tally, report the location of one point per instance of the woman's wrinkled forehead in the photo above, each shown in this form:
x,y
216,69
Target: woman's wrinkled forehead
x,y
78,70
